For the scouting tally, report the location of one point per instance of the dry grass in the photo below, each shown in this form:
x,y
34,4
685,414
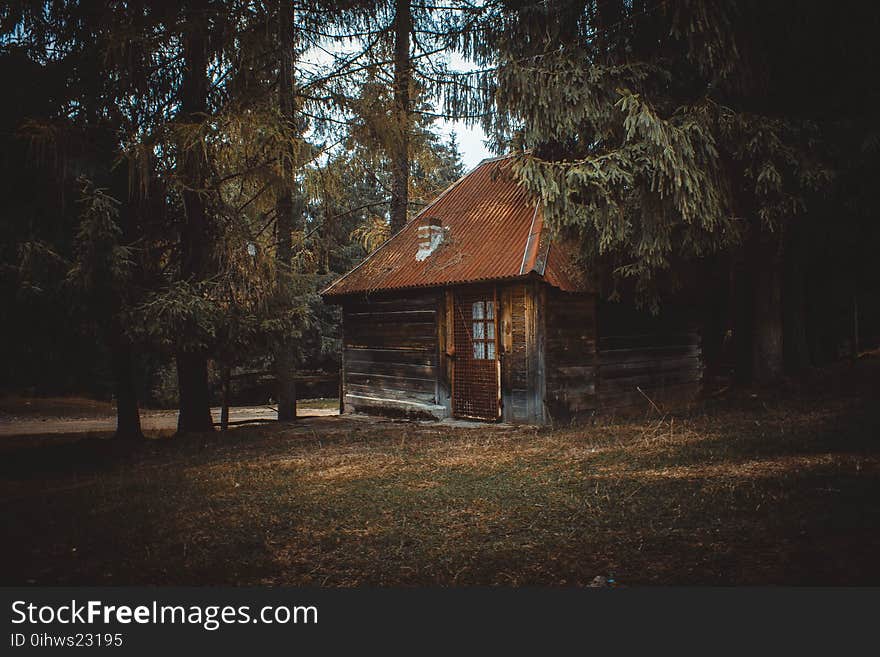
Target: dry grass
x,y
752,491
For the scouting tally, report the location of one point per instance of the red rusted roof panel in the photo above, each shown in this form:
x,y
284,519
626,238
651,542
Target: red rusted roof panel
x,y
562,269
488,219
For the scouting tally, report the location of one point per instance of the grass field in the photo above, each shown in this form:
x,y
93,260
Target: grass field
x,y
746,490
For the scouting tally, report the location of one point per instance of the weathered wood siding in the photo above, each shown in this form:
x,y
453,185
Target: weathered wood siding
x,y
514,363
391,352
521,331
647,359
570,355
636,370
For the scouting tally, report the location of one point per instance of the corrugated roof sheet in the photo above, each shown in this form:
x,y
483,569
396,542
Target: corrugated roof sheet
x,y
494,230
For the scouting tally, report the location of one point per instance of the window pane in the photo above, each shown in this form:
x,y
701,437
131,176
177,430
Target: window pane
x,y
479,350
478,310
490,331
490,350
490,310
478,331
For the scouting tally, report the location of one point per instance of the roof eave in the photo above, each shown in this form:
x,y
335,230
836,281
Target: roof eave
x,y
476,281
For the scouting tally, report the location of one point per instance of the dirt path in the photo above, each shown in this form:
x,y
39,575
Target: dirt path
x,y
13,425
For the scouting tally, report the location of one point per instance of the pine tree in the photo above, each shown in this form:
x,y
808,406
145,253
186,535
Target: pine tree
x,y
100,276
196,233
400,146
638,128
101,96
413,41
284,206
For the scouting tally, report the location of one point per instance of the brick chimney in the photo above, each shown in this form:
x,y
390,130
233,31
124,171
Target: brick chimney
x,y
431,234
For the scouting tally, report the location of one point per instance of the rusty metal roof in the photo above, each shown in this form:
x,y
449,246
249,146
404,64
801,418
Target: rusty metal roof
x,y
493,230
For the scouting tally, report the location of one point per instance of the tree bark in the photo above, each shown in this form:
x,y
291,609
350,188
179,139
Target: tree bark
x,y
195,237
400,148
128,419
224,407
285,374
716,314
767,354
284,206
195,400
797,350
742,293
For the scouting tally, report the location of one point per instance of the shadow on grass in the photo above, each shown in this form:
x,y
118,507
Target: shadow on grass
x,y
782,494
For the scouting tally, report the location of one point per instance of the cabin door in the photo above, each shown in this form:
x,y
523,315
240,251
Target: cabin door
x,y
476,372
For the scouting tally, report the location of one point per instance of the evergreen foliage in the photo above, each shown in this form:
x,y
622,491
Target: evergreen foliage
x,y
183,179
114,108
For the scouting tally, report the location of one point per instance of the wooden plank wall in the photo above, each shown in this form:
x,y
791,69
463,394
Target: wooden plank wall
x,y
390,347
667,368
514,355
536,303
446,341
522,352
570,355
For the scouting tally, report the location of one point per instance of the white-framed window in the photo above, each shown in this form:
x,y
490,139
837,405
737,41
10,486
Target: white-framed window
x,y
483,329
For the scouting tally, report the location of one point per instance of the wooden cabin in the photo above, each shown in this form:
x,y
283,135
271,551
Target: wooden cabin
x,y
472,311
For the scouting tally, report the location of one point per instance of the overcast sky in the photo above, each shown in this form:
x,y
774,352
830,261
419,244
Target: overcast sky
x,y
470,138
470,142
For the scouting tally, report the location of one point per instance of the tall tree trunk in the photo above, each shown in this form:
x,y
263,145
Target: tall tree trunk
x,y
225,377
716,314
767,355
400,154
742,302
128,419
194,398
195,235
794,305
284,222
